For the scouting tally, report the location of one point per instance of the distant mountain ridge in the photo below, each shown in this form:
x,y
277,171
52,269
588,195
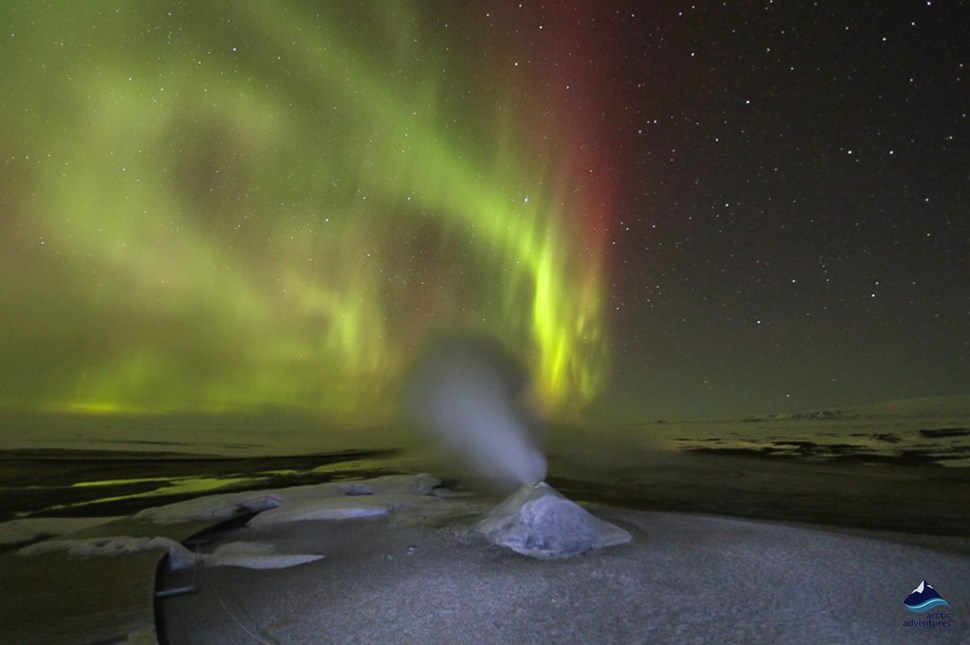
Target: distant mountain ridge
x,y
955,405
810,415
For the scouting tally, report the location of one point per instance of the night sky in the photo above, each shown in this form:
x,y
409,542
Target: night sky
x,y
672,210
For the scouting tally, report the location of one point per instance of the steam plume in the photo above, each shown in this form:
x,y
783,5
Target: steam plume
x,y
471,396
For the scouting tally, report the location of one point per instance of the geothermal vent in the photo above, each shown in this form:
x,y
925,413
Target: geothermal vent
x,y
538,522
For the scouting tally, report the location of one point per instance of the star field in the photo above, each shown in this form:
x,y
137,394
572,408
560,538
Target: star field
x,y
793,232
662,209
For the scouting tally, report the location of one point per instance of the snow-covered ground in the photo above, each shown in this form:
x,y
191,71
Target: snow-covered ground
x,y
401,559
423,571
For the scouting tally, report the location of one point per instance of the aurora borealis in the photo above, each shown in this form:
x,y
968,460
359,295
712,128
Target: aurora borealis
x,y
661,210
235,206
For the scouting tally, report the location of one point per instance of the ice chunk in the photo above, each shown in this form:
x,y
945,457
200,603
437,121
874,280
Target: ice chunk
x,y
256,555
331,501
179,556
326,508
357,489
539,522
212,507
423,483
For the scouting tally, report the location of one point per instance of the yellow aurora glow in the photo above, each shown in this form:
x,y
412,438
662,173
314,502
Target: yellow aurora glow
x,y
232,206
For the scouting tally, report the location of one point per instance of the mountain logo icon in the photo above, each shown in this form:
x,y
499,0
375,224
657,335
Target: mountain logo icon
x,y
924,598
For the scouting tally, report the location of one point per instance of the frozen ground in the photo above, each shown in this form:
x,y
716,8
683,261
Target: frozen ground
x,y
400,559
872,501
896,466
422,573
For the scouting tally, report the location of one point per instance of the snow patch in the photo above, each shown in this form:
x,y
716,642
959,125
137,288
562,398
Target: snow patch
x,y
340,508
213,507
179,556
33,528
256,555
333,501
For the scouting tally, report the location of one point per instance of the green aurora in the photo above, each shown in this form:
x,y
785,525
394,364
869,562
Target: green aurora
x,y
239,206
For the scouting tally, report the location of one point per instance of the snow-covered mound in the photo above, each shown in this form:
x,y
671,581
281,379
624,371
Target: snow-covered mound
x,y
538,522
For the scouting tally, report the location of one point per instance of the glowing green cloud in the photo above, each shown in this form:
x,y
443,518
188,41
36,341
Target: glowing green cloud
x,y
257,205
